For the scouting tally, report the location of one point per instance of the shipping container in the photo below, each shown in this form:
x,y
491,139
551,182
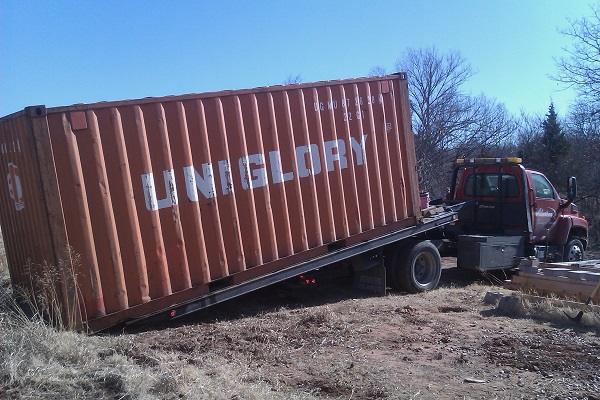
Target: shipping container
x,y
156,202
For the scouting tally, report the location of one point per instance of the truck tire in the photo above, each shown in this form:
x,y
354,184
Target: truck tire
x,y
573,250
416,267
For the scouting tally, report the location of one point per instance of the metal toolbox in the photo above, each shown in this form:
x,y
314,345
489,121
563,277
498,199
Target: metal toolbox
x,y
483,253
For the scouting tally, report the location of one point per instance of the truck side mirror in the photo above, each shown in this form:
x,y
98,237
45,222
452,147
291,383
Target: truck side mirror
x,y
571,188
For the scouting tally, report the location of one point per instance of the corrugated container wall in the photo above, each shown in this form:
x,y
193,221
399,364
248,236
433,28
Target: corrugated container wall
x,y
157,201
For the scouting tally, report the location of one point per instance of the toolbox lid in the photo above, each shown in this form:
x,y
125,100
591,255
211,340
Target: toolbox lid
x,y
505,240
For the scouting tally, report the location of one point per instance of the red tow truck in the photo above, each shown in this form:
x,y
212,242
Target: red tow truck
x,y
511,212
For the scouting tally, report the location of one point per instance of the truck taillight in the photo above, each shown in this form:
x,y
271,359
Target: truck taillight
x,y
307,280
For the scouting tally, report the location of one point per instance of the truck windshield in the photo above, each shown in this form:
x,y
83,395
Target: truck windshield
x,y
487,185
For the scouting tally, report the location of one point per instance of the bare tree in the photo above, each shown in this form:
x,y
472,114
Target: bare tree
x,y
583,129
585,124
528,140
293,79
580,67
377,70
584,134
447,121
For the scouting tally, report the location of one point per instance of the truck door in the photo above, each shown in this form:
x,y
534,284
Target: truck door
x,y
544,207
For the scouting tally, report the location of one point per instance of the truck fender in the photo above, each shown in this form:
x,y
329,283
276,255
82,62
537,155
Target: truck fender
x,y
566,226
579,229
562,230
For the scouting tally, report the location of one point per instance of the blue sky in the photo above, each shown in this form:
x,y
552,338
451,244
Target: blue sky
x,y
59,52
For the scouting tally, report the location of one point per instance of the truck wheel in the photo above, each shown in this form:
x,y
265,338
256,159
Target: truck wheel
x,y
573,250
416,267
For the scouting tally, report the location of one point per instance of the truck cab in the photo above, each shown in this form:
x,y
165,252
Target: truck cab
x,y
512,212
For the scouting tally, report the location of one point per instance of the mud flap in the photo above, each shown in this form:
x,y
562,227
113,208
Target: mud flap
x,y
369,273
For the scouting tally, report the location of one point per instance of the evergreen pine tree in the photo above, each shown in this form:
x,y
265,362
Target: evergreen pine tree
x,y
555,147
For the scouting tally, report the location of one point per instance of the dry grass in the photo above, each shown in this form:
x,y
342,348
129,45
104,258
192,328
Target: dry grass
x,y
4,277
355,348
41,361
546,309
549,311
297,350
38,361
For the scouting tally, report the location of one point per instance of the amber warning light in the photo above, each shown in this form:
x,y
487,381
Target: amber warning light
x,y
479,161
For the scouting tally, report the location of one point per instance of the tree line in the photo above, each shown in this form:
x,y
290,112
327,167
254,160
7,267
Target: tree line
x,y
449,122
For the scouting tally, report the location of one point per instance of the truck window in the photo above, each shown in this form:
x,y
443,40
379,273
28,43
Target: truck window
x,y
486,185
543,188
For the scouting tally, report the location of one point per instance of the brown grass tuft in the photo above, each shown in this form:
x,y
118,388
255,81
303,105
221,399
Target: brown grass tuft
x,y
38,360
545,309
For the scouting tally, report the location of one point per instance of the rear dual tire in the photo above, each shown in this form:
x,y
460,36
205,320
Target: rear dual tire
x,y
415,267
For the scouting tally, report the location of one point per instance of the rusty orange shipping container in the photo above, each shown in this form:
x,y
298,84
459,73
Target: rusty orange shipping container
x,y
161,200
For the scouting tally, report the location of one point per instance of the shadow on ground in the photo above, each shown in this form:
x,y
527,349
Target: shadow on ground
x,y
330,287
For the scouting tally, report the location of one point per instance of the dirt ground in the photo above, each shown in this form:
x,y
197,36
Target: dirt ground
x,y
318,341
441,344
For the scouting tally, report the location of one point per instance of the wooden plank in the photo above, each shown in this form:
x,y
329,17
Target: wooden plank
x,y
532,278
555,285
571,264
593,268
575,279
526,275
511,285
584,275
520,278
555,271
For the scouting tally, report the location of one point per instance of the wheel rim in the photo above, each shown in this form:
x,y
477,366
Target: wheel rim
x,y
575,253
424,268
